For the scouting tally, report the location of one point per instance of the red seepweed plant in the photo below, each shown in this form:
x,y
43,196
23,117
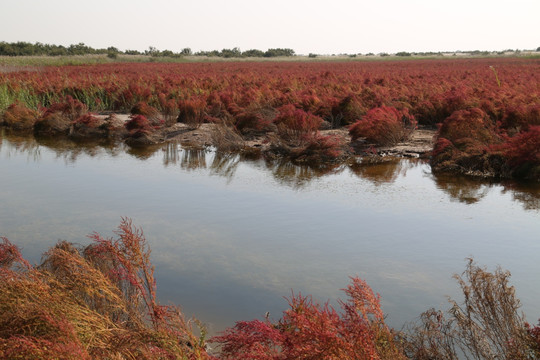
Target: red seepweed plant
x,y
18,117
90,303
383,125
309,330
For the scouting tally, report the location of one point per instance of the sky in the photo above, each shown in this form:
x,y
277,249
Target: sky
x,y
307,26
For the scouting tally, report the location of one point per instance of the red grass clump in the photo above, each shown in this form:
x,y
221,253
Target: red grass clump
x,y
309,330
468,129
384,125
296,123
139,125
169,108
142,108
88,120
19,117
70,108
191,112
320,149
97,302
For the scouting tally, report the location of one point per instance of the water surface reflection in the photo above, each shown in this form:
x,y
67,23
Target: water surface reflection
x,y
231,234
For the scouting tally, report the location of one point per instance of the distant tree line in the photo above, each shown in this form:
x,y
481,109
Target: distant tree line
x,y
28,49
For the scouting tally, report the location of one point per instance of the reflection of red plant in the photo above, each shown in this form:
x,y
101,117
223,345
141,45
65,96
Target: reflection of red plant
x,y
384,125
310,330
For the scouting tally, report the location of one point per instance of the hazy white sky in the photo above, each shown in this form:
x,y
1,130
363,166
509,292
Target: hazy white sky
x,y
318,26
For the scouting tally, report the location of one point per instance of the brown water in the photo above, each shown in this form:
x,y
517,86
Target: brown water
x,y
230,236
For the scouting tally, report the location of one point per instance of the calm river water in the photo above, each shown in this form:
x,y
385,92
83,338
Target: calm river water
x,y
231,237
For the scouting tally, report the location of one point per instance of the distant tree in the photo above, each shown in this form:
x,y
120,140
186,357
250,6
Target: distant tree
x,y
279,52
186,51
112,52
152,51
253,53
132,52
231,53
403,53
80,49
312,55
167,53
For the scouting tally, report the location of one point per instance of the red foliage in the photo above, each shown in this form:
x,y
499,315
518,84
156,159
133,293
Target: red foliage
x,y
469,130
450,90
309,330
19,117
191,112
320,149
138,125
252,120
520,116
523,148
296,121
534,333
142,108
383,125
88,120
70,107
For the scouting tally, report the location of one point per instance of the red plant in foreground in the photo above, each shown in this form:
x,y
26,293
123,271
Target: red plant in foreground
x,y
383,125
97,302
309,330
534,333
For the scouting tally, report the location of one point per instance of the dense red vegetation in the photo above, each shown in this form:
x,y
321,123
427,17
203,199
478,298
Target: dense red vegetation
x,y
97,302
383,125
309,330
100,302
301,98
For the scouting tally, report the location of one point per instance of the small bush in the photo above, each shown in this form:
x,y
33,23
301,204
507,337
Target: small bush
x,y
142,108
348,110
169,108
139,125
53,123
296,124
486,325
255,120
469,130
191,112
97,302
308,330
70,108
87,126
383,126
320,149
19,117
87,120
